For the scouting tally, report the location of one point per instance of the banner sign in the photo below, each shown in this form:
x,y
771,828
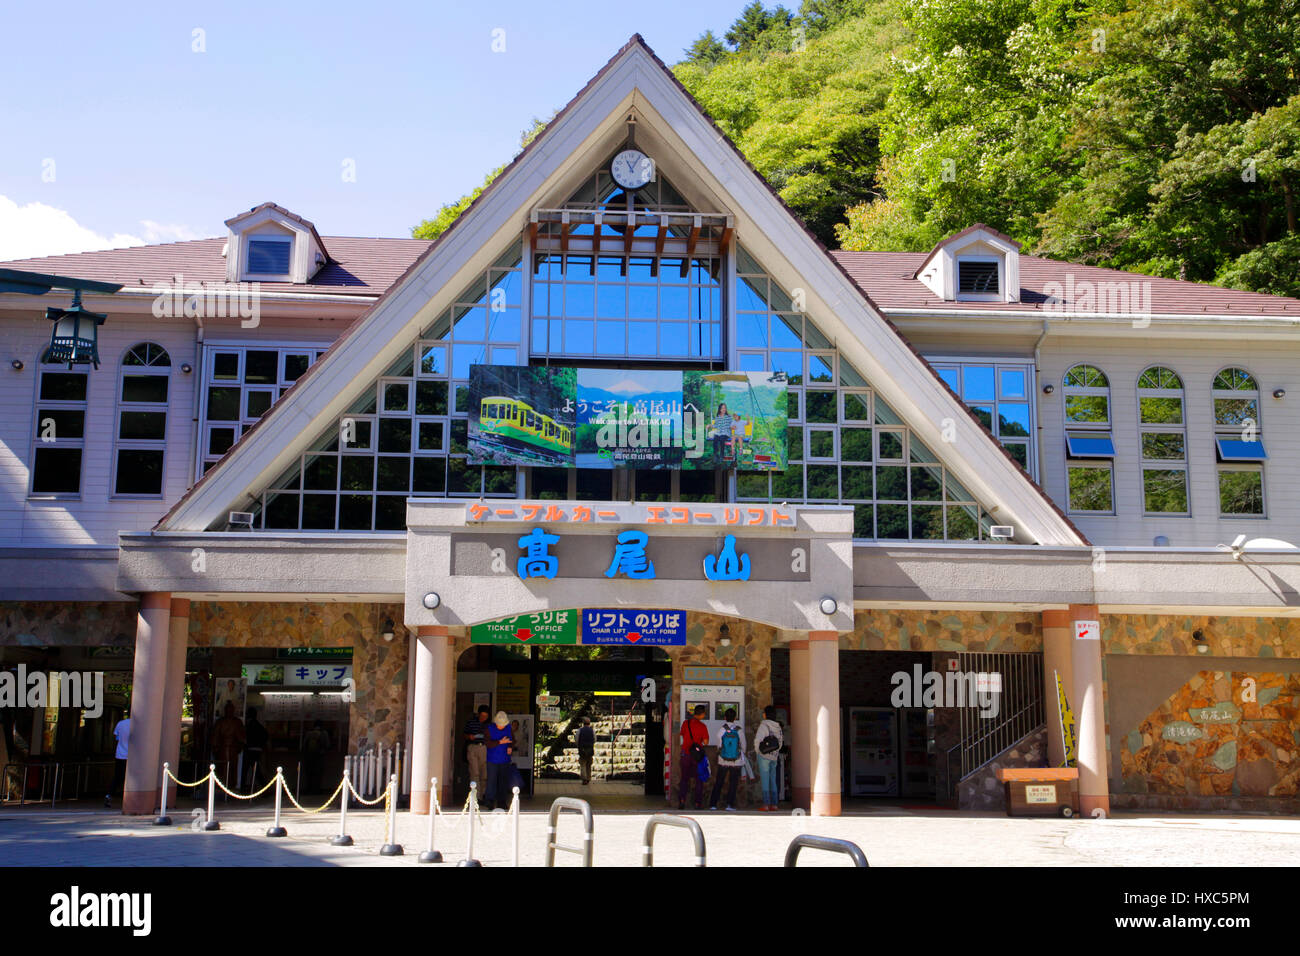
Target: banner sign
x,y
627,418
317,674
622,626
544,627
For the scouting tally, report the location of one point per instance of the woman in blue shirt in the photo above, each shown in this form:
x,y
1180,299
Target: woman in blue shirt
x,y
500,745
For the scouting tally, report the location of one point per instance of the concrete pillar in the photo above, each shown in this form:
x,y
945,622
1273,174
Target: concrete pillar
x,y
824,709
800,763
178,638
430,720
1089,714
1058,638
143,767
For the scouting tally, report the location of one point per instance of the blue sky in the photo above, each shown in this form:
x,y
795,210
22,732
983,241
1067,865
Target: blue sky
x,y
116,130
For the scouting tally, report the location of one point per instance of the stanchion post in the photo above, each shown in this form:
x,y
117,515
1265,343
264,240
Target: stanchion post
x,y
212,824
343,839
162,820
473,819
277,830
430,855
394,848
514,808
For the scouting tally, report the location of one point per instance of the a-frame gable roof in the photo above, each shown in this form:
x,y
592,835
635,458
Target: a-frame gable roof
x,y
699,158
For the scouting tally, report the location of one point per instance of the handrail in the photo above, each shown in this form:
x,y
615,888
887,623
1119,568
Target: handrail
x,y
588,838
830,844
671,820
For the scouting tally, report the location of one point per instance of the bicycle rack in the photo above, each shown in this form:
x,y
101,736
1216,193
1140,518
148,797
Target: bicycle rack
x,y
824,843
671,820
583,807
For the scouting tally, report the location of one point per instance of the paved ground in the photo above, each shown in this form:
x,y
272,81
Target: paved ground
x,y
889,835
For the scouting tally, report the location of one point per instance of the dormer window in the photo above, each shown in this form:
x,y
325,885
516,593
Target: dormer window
x,y
269,255
978,277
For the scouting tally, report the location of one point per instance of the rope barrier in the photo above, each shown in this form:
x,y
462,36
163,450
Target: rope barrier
x,y
369,803
288,793
242,796
198,783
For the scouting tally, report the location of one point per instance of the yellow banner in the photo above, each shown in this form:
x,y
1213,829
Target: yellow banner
x,y
1067,725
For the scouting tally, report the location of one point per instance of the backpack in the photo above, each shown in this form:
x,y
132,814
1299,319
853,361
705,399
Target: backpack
x,y
729,748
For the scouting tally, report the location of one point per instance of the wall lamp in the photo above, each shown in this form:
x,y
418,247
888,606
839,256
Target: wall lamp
x,y
1049,388
724,636
432,600
186,367
829,606
387,632
1279,393
17,365
1202,647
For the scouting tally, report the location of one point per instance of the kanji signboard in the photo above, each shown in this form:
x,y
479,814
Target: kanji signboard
x,y
544,627
625,626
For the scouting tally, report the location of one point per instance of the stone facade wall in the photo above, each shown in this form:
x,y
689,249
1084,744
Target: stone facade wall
x,y
1226,636
378,708
988,631
72,624
983,791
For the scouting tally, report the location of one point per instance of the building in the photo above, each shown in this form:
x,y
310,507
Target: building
x,y
1059,482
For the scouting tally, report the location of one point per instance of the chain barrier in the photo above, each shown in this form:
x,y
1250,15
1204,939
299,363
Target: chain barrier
x,y
288,793
242,796
180,783
367,803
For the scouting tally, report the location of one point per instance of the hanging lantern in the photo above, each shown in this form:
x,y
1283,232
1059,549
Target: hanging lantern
x,y
75,337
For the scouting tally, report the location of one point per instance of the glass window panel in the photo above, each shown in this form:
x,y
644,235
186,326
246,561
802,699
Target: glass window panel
x,y
751,484
461,394
927,522
499,480
1012,383
56,471
857,407
788,485
891,483
433,360
357,473
855,444
610,338
548,484
459,436
673,339
674,302
144,388
220,440
322,474
318,512
1087,445
1090,489
820,368
791,363
819,406
1164,491
855,482
977,383
395,435
962,525
787,331
390,512
641,338
823,483
431,436
394,473
927,483
951,377
139,426
504,325
61,423
294,366
864,521
431,398
892,521
985,415
257,403
139,471
884,414
281,512
891,445
578,336
954,491
261,367
429,475
1013,420
1235,379
593,484
540,343
355,512
63,387
1233,450
611,301
1161,410
850,376
470,324
223,404
1087,409
643,302
506,356
511,285
1241,492
751,294
698,485
1235,412
463,478
360,430
1019,451
920,453
225,365
821,443
653,485
1161,445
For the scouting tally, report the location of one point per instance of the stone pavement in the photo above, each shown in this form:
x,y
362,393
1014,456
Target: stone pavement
x,y
889,835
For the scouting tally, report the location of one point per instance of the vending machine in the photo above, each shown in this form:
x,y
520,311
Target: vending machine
x,y
916,739
873,751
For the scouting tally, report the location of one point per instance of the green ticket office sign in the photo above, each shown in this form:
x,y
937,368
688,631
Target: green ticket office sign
x,y
544,627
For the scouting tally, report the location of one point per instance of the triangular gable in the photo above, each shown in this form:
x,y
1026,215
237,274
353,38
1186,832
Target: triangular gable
x,y
711,173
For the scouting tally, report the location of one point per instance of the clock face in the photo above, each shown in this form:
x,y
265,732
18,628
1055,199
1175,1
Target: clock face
x,y
632,169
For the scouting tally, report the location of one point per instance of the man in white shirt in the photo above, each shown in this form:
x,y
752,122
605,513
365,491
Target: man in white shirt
x,y
767,756
731,755
121,732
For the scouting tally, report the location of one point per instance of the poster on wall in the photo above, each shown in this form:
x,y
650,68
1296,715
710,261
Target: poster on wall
x,y
230,690
521,728
716,699
627,418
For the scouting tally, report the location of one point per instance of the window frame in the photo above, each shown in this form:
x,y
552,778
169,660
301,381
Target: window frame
x,y
999,364
58,405
1234,433
1145,428
998,261
122,406
248,238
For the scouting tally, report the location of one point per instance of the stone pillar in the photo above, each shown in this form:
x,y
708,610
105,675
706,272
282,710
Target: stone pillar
x,y
430,731
143,766
1058,635
178,639
1089,714
824,711
799,765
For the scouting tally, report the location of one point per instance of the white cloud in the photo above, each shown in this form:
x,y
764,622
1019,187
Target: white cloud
x,y
34,230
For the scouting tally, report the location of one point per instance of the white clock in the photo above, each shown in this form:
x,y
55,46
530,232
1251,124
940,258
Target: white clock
x,y
632,169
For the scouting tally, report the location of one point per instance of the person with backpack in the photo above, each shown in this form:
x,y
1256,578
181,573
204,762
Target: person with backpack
x,y
768,741
731,754
695,737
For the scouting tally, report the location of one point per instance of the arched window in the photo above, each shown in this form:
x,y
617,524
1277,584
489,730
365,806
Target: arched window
x,y
1239,443
142,421
1089,448
1163,432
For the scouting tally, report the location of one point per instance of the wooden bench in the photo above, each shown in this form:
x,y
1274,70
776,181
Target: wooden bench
x,y
1040,791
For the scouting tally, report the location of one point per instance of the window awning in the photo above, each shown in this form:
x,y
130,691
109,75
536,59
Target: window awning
x,y
1234,449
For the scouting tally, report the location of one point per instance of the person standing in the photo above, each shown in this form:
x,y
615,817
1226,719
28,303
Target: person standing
x,y
121,733
228,741
476,731
586,750
695,737
731,754
500,745
255,738
768,741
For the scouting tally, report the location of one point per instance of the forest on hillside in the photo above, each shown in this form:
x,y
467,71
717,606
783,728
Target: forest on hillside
x,y
1157,136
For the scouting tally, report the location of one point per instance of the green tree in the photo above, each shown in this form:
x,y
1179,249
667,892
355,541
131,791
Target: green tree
x,y
706,51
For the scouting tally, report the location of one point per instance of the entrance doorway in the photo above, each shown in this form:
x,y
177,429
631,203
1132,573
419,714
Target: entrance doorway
x,y
551,695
